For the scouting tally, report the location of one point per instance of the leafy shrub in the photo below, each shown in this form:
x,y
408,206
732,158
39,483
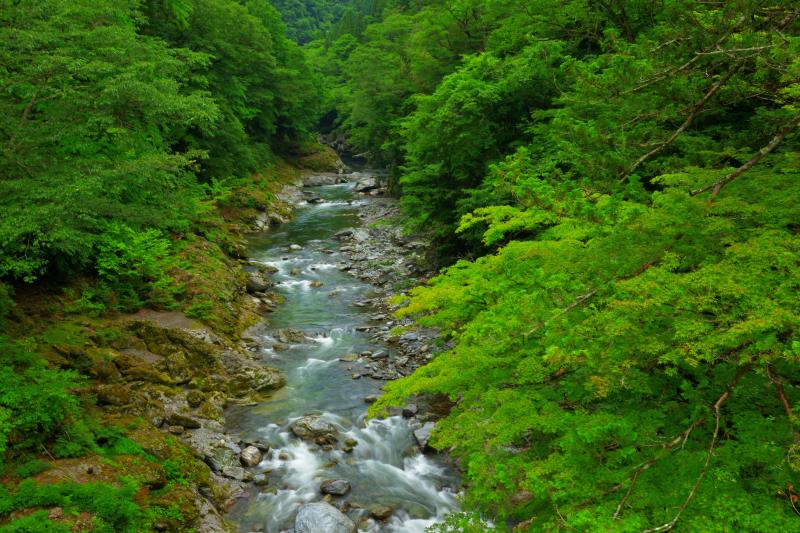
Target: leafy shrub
x,y
31,468
113,507
37,522
135,265
35,401
200,309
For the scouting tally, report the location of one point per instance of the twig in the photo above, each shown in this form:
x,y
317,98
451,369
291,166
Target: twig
x,y
578,301
717,416
696,109
782,133
732,50
60,473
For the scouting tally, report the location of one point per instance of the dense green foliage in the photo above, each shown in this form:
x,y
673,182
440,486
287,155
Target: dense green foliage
x,y
125,126
115,113
625,178
35,412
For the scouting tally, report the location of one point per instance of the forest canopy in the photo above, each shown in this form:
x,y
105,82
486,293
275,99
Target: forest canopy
x,y
120,114
613,190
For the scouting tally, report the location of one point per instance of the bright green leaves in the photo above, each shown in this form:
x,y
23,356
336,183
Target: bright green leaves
x,y
86,136
576,361
35,401
109,111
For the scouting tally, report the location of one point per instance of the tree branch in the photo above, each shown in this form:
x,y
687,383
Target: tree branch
x,y
782,133
776,381
696,109
689,63
716,407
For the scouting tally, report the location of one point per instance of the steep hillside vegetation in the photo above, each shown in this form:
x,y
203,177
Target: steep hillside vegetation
x,y
615,188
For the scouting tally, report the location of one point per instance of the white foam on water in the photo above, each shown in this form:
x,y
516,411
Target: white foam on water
x,y
304,284
421,466
323,340
299,482
311,362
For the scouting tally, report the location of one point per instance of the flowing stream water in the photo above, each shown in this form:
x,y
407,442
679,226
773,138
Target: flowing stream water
x,y
385,467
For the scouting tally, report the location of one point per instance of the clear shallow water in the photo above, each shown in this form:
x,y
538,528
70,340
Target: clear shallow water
x,y
385,467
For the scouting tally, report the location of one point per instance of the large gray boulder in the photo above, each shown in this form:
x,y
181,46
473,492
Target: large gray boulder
x,y
258,282
366,184
321,517
423,435
315,428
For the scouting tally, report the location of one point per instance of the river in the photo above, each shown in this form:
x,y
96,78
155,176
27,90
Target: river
x,y
385,467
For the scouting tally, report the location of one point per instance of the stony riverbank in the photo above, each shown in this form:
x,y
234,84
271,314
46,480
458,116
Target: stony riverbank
x,y
155,384
379,261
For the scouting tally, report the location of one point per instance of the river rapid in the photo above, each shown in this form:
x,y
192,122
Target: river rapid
x,y
385,467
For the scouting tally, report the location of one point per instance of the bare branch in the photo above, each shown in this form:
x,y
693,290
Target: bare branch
x,y
776,381
734,50
669,72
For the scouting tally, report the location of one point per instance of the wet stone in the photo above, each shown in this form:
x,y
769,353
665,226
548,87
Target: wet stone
x,y
380,512
336,487
410,410
314,427
321,517
250,456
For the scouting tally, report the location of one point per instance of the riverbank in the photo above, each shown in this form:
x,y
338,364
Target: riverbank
x,y
334,266
147,408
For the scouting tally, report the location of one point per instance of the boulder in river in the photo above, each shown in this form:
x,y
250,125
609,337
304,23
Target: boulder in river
x,y
314,428
258,282
380,512
336,487
366,184
250,456
423,434
321,517
291,336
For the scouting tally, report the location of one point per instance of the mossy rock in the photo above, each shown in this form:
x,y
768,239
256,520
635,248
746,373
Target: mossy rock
x,y
180,497
146,472
210,410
